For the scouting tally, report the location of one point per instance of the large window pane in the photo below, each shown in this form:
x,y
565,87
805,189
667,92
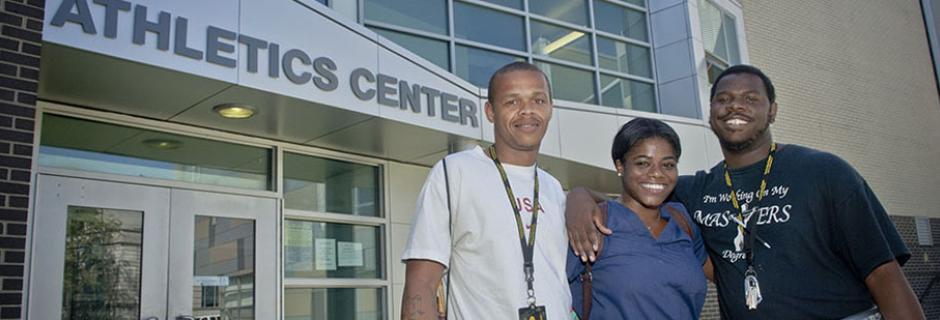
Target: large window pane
x,y
731,38
719,34
100,147
325,185
334,303
224,267
569,83
488,26
624,57
332,250
620,20
561,43
627,94
573,11
102,264
433,50
477,65
427,15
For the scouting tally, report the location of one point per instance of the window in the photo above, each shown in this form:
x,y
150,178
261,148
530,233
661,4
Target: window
x,y
489,26
627,94
477,65
431,49
561,43
622,56
576,50
423,15
621,21
720,38
85,145
325,185
572,11
333,229
334,303
569,83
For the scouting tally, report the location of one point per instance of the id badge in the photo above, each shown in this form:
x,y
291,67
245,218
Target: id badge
x,y
537,313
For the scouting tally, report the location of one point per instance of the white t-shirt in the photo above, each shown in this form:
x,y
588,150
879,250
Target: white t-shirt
x,y
487,280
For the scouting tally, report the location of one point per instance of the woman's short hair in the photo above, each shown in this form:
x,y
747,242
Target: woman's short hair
x,y
639,129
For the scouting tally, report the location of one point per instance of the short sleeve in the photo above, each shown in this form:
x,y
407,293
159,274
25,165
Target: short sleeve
x,y
865,236
430,237
681,193
698,244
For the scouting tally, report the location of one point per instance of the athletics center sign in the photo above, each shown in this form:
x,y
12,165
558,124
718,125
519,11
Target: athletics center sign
x,y
283,47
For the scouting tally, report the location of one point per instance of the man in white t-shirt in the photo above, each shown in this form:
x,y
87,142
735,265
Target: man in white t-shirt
x,y
480,240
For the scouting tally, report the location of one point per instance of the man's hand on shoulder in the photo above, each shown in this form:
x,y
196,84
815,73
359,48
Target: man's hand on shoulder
x,y
585,222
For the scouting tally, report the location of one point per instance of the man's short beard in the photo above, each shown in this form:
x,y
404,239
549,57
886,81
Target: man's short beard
x,y
735,147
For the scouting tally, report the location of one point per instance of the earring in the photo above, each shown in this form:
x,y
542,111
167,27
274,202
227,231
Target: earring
x,y
619,174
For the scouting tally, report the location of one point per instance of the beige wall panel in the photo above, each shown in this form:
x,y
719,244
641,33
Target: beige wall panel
x,y
405,182
855,78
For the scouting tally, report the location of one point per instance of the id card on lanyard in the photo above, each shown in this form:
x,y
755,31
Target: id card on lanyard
x,y
752,295
531,311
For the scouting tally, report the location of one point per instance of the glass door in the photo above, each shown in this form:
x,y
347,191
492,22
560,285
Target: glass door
x,y
98,250
108,250
223,257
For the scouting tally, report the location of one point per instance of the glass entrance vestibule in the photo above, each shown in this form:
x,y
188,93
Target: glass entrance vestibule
x,y
140,219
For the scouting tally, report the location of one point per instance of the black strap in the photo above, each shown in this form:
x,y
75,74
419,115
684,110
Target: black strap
x,y
527,248
680,220
450,222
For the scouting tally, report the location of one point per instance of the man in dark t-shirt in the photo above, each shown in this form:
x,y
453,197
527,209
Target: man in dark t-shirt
x,y
801,224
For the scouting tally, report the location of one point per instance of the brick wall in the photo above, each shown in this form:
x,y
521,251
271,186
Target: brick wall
x,y
855,78
20,42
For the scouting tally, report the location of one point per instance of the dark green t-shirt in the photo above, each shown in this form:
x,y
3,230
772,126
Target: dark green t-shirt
x,y
826,229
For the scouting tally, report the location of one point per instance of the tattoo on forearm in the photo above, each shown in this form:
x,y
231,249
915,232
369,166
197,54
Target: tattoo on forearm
x,y
414,307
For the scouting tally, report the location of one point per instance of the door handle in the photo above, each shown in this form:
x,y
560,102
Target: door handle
x,y
151,318
185,317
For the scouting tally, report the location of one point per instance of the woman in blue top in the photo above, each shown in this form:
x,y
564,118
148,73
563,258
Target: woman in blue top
x,y
651,267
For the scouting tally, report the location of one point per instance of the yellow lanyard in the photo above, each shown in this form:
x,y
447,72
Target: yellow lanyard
x,y
760,196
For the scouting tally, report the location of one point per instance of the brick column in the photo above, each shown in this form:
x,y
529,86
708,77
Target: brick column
x,y
21,24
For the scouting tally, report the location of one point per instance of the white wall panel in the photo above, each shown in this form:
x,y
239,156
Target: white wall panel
x,y
586,137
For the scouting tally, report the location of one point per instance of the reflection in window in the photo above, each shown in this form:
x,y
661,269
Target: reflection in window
x,y
334,303
425,15
620,20
100,147
561,43
325,185
573,11
102,264
488,26
640,3
224,268
433,50
477,65
515,4
720,38
569,83
627,94
332,250
624,57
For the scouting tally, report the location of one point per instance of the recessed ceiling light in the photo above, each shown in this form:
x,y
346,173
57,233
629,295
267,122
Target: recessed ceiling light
x,y
234,110
163,144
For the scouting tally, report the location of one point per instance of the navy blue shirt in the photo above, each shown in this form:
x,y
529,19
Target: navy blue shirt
x,y
639,277
826,229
